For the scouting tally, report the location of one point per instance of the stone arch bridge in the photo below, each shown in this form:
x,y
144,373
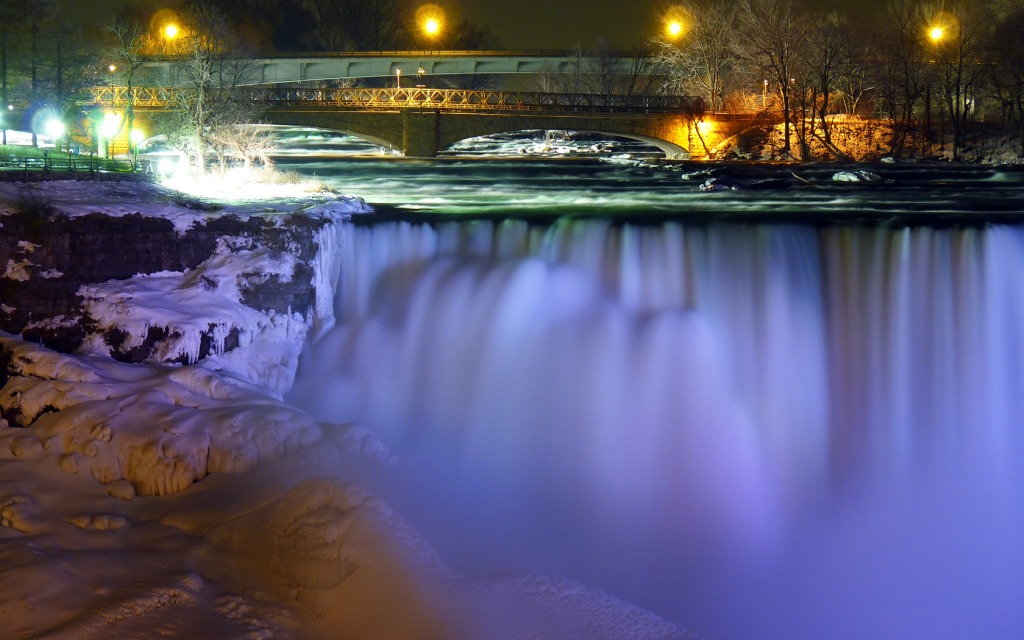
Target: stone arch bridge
x,y
420,122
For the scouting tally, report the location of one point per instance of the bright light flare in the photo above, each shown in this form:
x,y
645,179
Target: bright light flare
x,y
55,129
676,22
137,137
705,127
171,31
111,125
936,33
430,18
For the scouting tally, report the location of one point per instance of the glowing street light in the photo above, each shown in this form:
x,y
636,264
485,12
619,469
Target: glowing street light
x,y
674,29
55,129
171,31
936,33
430,18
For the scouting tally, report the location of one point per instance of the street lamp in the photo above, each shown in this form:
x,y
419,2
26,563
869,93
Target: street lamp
x,y
55,130
675,22
936,34
171,31
430,18
398,78
109,129
137,138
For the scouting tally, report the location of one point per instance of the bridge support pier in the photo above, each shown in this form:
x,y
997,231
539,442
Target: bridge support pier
x,y
420,132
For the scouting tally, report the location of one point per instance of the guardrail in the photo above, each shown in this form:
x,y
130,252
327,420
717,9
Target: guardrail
x,y
73,167
393,98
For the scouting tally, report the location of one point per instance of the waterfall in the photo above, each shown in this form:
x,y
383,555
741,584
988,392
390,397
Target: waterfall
x,y
686,414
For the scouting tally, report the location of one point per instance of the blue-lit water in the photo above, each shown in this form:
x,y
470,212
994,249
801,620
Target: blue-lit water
x,y
793,413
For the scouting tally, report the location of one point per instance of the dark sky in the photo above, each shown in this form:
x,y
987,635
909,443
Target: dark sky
x,y
533,24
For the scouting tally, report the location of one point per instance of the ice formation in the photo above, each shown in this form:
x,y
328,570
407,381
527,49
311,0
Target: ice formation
x,y
160,429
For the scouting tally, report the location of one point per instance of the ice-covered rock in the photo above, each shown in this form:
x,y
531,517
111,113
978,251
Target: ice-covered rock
x,y
856,176
157,428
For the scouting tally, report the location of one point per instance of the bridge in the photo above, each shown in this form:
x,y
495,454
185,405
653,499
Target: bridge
x,y
294,69
420,121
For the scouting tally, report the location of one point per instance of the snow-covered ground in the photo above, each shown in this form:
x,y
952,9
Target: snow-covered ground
x,y
154,500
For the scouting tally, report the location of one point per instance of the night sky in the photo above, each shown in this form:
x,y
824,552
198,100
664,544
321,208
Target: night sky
x,y
534,24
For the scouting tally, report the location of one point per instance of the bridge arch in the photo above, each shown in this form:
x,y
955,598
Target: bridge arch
x,y
423,132
381,131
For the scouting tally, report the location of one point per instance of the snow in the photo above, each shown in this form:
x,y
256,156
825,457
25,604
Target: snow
x,y
190,501
204,302
184,202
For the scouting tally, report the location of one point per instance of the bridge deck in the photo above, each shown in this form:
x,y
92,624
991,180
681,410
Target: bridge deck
x,y
391,98
290,69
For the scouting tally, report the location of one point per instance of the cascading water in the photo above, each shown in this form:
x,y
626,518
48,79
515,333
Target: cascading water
x,y
758,431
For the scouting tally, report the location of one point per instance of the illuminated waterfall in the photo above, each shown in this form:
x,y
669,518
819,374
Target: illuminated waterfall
x,y
695,415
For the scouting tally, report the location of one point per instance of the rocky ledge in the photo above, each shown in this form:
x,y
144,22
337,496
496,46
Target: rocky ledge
x,y
139,287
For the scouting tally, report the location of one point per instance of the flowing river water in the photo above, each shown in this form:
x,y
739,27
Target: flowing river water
x,y
786,412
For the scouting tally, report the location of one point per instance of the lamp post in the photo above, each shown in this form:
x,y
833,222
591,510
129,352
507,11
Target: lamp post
x,y
935,34
398,78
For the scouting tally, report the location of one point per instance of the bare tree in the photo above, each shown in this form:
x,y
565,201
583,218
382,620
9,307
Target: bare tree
x,y
360,25
130,38
771,33
957,65
1006,56
831,49
12,20
213,97
899,70
703,61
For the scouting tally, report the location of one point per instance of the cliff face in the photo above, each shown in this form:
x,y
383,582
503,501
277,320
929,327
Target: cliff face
x,y
68,282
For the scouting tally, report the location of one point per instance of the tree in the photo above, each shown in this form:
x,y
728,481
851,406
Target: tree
x,y
12,21
213,98
771,33
1006,56
957,64
130,38
831,50
704,59
899,70
359,25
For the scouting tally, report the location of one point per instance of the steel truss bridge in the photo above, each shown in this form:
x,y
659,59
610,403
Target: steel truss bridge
x,y
368,99
422,121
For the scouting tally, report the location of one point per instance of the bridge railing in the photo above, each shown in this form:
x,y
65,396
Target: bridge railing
x,y
419,97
